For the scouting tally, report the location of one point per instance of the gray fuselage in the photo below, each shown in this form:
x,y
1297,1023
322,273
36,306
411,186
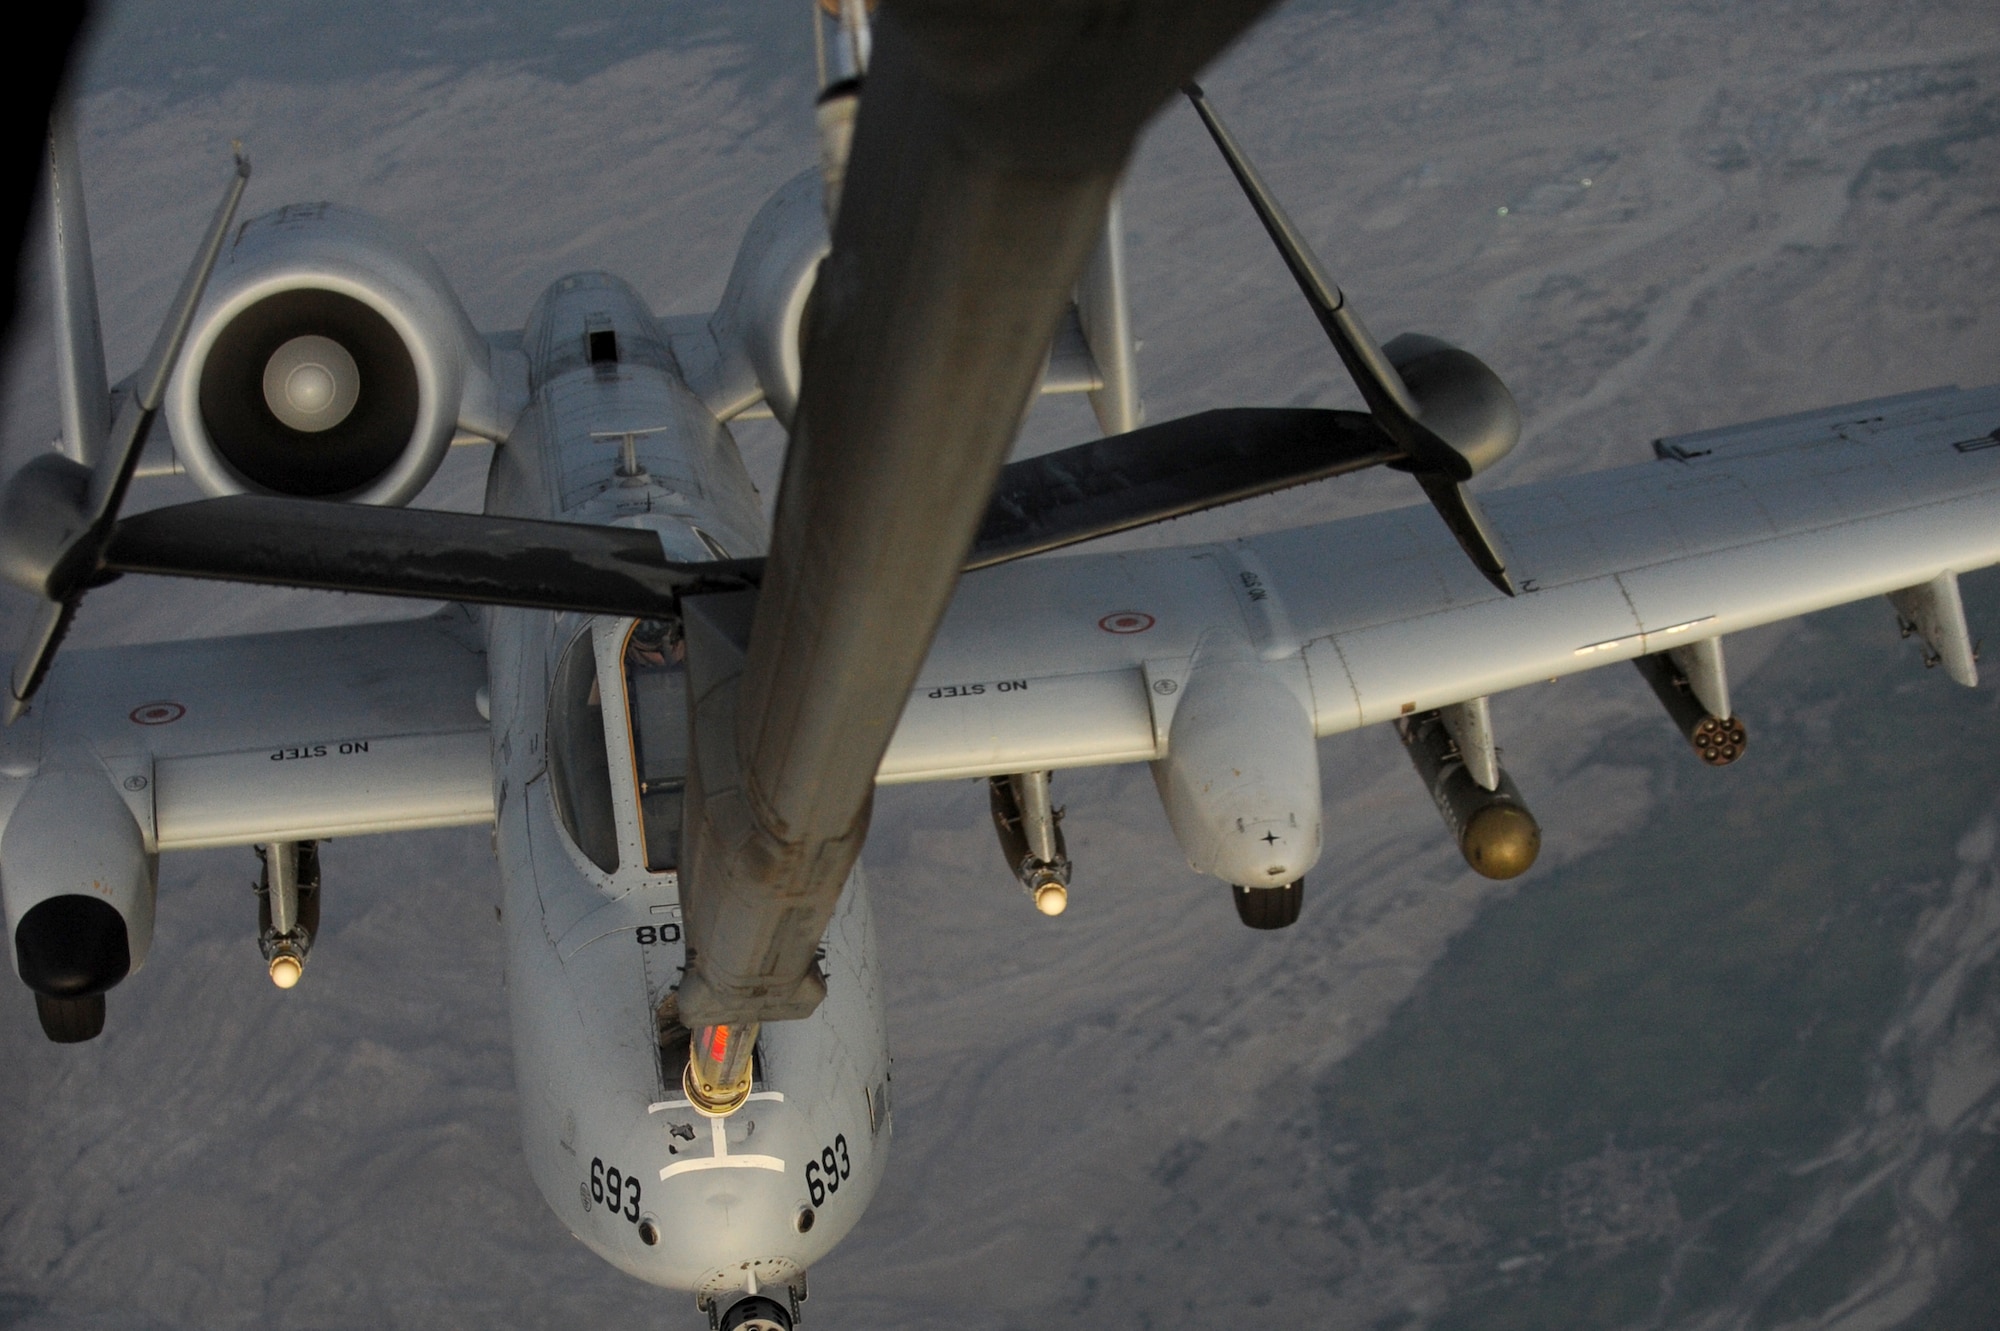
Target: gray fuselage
x,y
592,907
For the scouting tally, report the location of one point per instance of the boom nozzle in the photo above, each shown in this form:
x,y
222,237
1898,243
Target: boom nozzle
x,y
720,1068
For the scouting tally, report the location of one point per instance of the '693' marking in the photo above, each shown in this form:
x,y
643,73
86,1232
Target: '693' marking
x,y
823,1175
617,1191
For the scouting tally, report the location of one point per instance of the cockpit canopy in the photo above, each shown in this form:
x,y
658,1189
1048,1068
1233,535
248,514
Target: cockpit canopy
x,y
656,694
581,757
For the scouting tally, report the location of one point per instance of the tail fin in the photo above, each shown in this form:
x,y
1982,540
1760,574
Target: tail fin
x,y
85,390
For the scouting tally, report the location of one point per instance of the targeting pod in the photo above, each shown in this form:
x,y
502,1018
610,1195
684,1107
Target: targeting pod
x,y
287,907
1497,835
1691,684
1031,838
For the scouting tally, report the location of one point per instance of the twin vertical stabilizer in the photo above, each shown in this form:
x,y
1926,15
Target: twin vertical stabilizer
x,y
80,376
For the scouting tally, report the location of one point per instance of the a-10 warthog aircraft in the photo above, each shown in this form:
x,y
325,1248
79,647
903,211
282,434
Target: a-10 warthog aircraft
x,y
674,719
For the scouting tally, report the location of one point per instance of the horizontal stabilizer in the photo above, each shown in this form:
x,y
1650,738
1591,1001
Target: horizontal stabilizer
x,y
415,552
1169,470
1076,494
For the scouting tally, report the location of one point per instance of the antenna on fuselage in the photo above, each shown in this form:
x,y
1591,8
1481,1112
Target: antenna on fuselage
x,y
629,472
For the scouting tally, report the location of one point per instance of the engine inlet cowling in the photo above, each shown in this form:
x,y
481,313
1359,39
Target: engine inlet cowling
x,y
759,327
329,360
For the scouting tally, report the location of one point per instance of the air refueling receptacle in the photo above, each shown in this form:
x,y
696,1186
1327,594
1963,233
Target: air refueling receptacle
x,y
1031,838
1497,835
1693,686
287,907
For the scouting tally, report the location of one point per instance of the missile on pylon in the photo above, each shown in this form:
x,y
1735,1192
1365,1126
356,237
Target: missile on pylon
x,y
287,908
1031,838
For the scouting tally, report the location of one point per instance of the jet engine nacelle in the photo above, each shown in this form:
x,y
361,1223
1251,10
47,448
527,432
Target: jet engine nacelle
x,y
329,359
760,323
1240,781
78,884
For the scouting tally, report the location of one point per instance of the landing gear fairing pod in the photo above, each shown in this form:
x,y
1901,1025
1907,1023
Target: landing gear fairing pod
x,y
1269,907
79,907
1240,779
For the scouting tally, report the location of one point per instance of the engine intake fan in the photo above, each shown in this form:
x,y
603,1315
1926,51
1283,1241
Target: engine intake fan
x,y
329,360
309,393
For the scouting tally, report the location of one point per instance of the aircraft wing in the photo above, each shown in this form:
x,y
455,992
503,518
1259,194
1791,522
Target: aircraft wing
x,y
1076,661
278,736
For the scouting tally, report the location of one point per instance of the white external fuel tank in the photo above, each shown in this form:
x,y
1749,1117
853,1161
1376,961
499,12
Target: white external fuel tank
x,y
1240,780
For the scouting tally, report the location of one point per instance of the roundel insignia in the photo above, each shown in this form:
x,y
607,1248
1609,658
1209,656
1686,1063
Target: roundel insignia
x,y
1126,621
158,713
